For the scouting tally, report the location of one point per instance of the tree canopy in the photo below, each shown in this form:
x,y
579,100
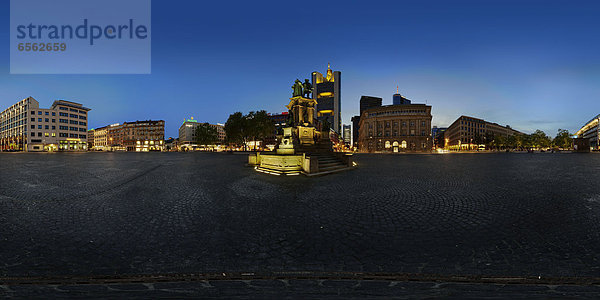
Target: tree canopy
x,y
255,126
563,139
206,134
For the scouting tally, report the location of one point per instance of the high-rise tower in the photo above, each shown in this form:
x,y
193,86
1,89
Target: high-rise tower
x,y
327,92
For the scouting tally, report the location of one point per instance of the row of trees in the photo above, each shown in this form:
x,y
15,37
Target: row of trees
x,y
255,126
538,139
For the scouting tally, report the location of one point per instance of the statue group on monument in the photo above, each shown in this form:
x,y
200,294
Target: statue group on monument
x,y
302,89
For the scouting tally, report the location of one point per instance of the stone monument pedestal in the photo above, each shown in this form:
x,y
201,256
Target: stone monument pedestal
x,y
302,149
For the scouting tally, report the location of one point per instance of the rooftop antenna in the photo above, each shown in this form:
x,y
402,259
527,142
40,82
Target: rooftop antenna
x,y
397,90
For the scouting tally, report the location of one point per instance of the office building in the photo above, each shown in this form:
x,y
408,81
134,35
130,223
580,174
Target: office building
x,y
26,127
366,102
395,128
355,130
467,133
327,91
591,132
437,136
347,136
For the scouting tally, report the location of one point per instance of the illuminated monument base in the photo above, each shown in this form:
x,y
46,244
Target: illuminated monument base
x,y
302,149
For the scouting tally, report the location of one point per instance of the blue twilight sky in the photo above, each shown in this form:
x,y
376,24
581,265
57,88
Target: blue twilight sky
x,y
529,64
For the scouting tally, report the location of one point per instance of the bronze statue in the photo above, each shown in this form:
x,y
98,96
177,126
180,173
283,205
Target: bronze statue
x,y
297,87
307,88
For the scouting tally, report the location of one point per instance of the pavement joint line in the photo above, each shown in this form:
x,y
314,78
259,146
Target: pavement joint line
x,y
405,277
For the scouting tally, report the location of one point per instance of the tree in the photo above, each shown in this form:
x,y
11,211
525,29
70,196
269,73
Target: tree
x,y
260,126
511,141
500,141
490,140
563,139
206,134
236,129
477,139
539,139
254,126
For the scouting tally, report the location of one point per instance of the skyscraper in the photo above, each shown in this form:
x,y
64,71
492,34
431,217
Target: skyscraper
x,y
327,92
347,134
399,99
367,102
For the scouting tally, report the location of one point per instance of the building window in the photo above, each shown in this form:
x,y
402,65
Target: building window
x,y
32,126
39,126
47,113
46,134
423,123
33,112
39,113
53,120
33,134
46,127
53,127
39,134
39,119
53,134
53,114
47,120
32,119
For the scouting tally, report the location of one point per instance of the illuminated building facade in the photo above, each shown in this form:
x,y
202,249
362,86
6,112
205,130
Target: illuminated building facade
x,y
138,136
101,138
396,128
26,127
467,133
327,91
591,132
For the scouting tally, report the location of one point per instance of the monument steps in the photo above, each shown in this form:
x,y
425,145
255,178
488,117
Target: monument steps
x,y
328,162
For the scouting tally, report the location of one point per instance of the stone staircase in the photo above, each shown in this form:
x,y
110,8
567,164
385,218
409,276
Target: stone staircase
x,y
328,162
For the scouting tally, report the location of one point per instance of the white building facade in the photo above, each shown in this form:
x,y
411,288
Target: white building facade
x,y
26,127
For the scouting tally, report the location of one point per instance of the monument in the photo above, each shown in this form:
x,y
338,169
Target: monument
x,y
301,149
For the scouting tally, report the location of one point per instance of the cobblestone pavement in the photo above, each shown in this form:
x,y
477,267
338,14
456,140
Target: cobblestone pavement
x,y
302,289
125,213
